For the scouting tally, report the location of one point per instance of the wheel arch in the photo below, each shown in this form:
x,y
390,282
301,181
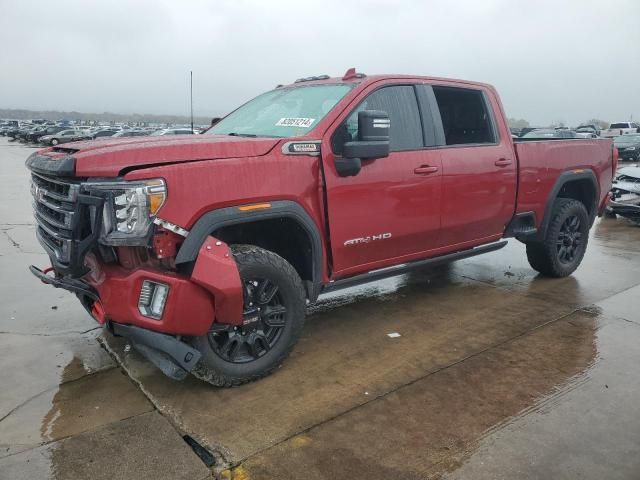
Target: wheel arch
x,y
579,185
268,228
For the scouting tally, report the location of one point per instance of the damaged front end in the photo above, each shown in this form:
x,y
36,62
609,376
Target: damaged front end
x,y
625,194
107,245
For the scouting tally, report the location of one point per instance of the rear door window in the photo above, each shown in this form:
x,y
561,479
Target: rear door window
x,y
465,116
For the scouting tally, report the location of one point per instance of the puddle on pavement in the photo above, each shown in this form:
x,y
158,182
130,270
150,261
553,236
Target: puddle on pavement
x,y
346,358
585,428
429,426
70,386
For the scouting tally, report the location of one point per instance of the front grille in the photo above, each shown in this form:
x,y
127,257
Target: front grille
x,y
54,209
67,221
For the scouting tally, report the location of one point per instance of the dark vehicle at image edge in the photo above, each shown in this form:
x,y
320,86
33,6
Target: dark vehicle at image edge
x,y
628,147
204,250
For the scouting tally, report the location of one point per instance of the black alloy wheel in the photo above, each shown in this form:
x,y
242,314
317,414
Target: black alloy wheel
x,y
274,304
569,240
264,318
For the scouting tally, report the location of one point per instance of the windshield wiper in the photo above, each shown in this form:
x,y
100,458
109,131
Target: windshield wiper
x,y
234,134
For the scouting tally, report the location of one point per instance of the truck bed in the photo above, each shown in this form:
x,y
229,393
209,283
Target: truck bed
x,y
541,162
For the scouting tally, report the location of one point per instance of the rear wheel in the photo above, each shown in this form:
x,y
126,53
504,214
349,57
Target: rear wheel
x,y
54,141
274,311
565,242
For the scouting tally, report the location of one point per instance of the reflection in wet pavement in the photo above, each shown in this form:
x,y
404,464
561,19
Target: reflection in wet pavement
x,y
496,372
586,428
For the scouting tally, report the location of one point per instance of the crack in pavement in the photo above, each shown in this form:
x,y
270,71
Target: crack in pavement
x,y
13,242
221,461
60,334
405,385
52,387
64,437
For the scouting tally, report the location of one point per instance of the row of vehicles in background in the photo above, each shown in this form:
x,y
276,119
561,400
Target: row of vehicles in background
x,y
626,136
53,133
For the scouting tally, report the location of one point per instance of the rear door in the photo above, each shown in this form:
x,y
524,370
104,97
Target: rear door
x,y
389,211
479,167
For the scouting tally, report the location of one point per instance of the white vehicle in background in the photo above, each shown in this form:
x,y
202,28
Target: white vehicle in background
x,y
620,128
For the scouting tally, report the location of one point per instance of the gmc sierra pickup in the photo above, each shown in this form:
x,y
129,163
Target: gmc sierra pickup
x,y
205,250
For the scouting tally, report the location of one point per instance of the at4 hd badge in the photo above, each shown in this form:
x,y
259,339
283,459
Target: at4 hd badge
x,y
368,239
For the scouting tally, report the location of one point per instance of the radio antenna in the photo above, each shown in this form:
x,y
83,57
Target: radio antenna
x,y
191,95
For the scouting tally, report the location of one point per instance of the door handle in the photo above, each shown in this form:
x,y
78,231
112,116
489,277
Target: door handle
x,y
503,162
425,170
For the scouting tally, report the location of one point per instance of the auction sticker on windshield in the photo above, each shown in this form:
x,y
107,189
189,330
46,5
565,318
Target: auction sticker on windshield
x,y
295,122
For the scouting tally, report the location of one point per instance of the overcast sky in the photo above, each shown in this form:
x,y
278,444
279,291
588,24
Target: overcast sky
x,y
550,60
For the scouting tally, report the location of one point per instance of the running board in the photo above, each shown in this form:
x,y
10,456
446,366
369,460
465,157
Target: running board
x,y
406,267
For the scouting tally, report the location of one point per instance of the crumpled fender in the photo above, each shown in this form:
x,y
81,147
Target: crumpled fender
x,y
216,271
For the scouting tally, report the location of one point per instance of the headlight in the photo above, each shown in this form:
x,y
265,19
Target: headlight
x,y
631,148
129,209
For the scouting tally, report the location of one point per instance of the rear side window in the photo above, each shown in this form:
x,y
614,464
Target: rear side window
x,y
401,105
465,116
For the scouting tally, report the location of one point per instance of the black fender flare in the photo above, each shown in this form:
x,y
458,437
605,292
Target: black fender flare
x,y
561,181
223,217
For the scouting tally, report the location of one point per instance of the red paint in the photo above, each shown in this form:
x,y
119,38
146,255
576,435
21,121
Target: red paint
x,y
189,308
217,272
432,201
165,243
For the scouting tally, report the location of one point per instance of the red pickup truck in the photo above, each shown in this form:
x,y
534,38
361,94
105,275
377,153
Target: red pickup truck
x,y
205,250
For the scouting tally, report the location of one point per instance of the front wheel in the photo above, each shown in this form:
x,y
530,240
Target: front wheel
x,y
274,312
565,242
54,141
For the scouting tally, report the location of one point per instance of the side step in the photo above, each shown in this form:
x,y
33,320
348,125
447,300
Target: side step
x,y
406,267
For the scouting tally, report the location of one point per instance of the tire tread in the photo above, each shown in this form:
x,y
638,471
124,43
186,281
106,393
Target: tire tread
x,y
252,255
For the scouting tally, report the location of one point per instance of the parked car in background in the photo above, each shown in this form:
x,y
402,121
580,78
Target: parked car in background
x,y
625,195
587,131
620,128
550,133
131,133
628,147
63,136
32,132
588,128
15,131
102,133
35,135
585,134
173,131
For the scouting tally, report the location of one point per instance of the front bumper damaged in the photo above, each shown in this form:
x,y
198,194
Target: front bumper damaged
x,y
112,294
625,195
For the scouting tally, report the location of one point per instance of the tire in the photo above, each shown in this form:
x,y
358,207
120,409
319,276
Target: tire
x,y
54,142
565,241
232,357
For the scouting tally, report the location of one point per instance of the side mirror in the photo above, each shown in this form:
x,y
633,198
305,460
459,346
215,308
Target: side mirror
x,y
372,143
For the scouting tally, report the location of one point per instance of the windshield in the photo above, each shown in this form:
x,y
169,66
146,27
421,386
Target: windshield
x,y
627,139
285,112
619,125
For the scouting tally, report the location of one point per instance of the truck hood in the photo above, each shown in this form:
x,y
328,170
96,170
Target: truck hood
x,y
109,157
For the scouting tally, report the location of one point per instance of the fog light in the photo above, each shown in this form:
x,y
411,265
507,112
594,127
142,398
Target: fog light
x,y
152,299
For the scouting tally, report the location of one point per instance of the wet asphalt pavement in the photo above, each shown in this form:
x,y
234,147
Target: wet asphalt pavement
x,y
496,373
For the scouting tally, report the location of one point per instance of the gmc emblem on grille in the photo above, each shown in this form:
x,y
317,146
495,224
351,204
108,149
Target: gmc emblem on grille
x,y
39,194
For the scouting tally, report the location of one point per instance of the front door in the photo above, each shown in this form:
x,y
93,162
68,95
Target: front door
x,y
389,211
